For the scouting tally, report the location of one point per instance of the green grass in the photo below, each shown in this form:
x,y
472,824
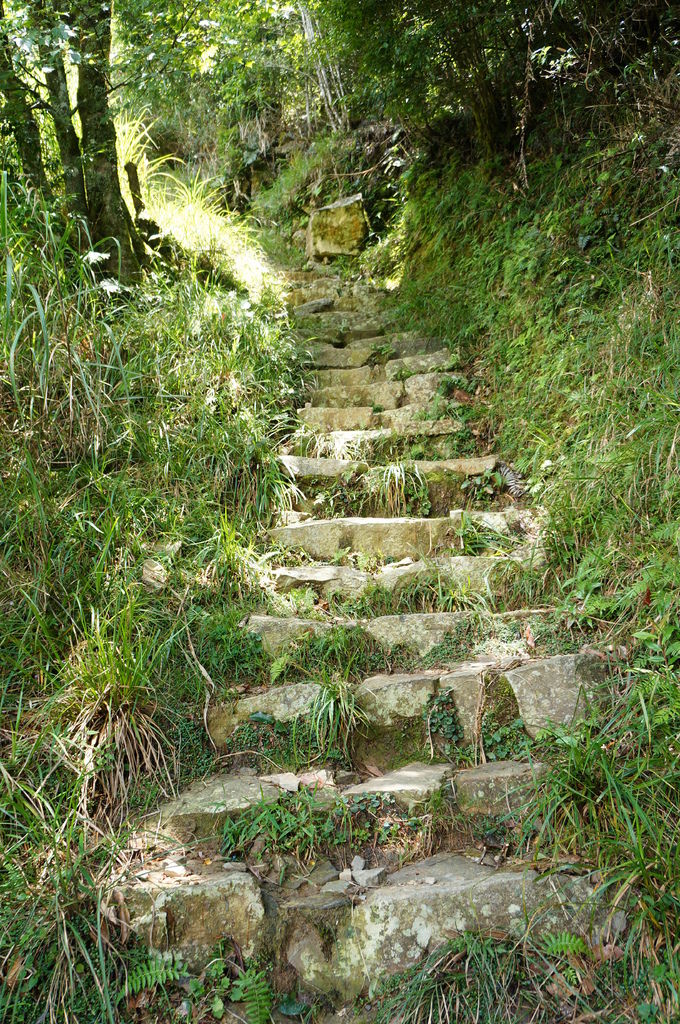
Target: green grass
x,y
133,425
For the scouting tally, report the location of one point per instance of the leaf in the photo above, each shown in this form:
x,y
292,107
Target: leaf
x,y
291,1007
262,717
529,638
217,1008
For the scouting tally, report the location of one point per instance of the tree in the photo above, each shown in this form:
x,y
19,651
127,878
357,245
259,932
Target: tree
x,y
35,42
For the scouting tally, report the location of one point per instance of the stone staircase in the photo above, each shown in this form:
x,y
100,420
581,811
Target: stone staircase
x,y
339,927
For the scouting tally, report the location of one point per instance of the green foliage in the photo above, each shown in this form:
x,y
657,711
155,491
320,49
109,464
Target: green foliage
x,y
253,989
335,715
441,717
154,971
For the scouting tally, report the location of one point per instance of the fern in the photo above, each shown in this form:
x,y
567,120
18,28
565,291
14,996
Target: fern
x,y
564,944
252,988
152,972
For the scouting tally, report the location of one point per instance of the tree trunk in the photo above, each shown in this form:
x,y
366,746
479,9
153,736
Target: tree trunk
x,y
19,114
67,140
109,218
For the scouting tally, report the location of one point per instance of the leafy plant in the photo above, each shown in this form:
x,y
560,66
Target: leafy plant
x,y
155,971
253,989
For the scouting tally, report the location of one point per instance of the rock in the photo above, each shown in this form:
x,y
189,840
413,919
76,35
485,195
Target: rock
x,y
154,574
278,632
339,886
346,875
421,388
339,229
466,685
389,699
395,538
555,690
321,469
424,905
406,418
409,786
325,356
419,631
385,394
340,441
426,362
371,877
324,579
323,872
201,811
349,378
283,703
498,787
193,916
358,863
314,306
286,781
411,345
350,418
466,574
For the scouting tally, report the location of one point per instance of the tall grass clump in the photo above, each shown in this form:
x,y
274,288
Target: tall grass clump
x,y
138,430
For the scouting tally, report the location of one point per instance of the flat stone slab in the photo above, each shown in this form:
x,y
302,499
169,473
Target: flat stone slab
x,y
386,394
350,378
458,467
409,786
426,362
468,574
339,441
427,903
201,810
555,690
498,787
301,468
418,630
324,579
341,418
283,703
395,538
191,916
325,356
389,699
277,632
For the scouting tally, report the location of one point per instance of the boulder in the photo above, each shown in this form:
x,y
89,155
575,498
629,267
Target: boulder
x,y
555,690
201,811
339,229
283,703
193,916
498,787
426,904
390,699
276,632
324,579
409,786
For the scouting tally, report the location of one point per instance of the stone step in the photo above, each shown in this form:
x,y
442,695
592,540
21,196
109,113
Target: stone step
x,y
392,538
336,946
466,573
418,630
440,359
386,394
497,788
284,703
556,689
406,419
191,913
420,355
424,905
338,443
304,469
201,811
410,786
307,469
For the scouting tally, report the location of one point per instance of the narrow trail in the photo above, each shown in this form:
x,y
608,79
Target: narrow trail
x,y
376,399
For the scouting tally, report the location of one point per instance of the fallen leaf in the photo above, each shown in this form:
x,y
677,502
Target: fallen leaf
x,y
529,638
